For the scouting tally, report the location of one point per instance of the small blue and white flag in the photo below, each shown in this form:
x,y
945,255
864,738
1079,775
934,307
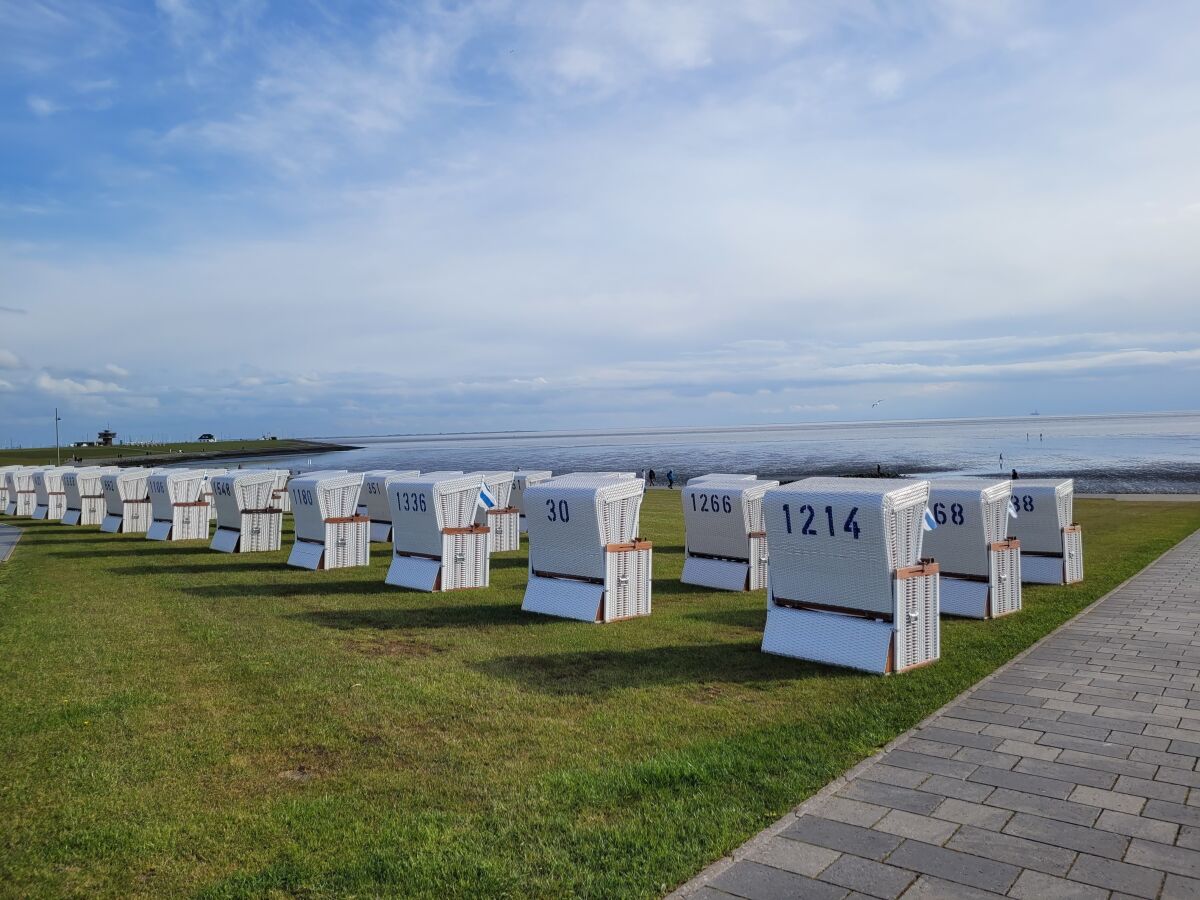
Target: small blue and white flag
x,y
929,522
486,500
1012,507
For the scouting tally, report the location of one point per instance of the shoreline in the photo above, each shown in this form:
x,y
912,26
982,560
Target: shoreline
x,y
294,448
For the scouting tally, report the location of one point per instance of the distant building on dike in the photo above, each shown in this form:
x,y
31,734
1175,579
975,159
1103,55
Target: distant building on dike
x,y
206,438
105,438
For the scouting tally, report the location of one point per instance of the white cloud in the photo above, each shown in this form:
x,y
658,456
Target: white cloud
x,y
42,106
69,387
9,360
114,369
6,386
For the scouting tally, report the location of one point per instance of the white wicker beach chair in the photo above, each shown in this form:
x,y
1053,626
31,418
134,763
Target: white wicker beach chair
x,y
980,565
1051,541
586,560
85,495
21,494
502,519
329,533
49,497
436,545
847,583
522,479
126,501
373,501
726,540
249,519
178,507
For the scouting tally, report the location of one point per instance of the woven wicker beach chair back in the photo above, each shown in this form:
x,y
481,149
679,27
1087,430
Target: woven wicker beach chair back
x,y
839,541
1043,507
970,514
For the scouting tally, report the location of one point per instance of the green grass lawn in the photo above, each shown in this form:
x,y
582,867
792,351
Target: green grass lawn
x,y
41,456
178,721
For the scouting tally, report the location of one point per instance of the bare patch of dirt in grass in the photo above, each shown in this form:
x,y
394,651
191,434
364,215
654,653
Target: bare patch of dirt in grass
x,y
403,648
300,773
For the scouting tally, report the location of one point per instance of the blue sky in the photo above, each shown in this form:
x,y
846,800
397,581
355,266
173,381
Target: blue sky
x,y
321,218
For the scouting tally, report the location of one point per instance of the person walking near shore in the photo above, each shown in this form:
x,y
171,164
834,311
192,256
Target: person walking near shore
x,y
671,479
650,478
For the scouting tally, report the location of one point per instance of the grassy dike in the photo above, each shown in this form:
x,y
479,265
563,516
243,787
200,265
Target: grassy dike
x,y
187,451
177,721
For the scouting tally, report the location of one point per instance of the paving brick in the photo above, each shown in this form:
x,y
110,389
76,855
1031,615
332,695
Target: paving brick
x,y
956,724
929,748
755,881
710,893
840,836
891,775
1189,836
1180,888
932,764
992,818
1011,849
1137,826
1172,775
1117,876
987,718
1075,730
928,888
1051,808
952,787
950,865
1163,758
1157,790
1172,812
919,828
890,796
1101,723
1016,781
962,738
1021,748
794,856
872,878
1079,838
1127,803
1040,886
1100,748
986,758
1107,764
1068,773
1009,733
853,812
1154,855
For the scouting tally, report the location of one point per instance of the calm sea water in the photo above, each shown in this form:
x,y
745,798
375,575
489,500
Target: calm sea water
x,y
1105,454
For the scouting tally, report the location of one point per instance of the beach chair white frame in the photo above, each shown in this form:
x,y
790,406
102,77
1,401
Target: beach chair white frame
x,y
50,500
436,544
21,494
980,565
725,543
248,519
85,495
329,532
178,507
373,501
126,501
1051,540
503,520
848,586
522,479
586,560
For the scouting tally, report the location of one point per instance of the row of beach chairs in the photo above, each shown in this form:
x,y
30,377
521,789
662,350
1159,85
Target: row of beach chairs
x,y
858,571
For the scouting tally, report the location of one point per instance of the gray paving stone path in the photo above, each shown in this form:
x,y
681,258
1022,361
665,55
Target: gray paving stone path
x,y
1070,772
9,535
